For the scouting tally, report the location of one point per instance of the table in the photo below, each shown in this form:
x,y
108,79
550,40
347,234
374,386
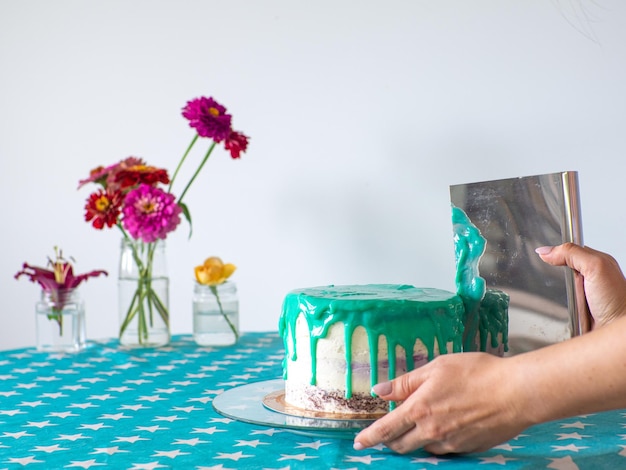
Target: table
x,y
108,407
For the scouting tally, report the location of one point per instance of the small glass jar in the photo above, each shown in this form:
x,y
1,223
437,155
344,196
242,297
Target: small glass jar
x,y
60,321
215,314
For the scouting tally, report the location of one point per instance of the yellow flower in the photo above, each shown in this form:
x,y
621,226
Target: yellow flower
x,y
213,271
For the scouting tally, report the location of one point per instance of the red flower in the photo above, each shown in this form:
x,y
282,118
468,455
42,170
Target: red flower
x,y
208,117
105,176
103,207
236,143
131,177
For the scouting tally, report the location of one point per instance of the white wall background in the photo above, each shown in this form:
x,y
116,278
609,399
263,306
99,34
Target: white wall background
x,y
361,114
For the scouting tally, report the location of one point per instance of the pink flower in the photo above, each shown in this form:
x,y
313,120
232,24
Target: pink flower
x,y
150,213
208,117
236,143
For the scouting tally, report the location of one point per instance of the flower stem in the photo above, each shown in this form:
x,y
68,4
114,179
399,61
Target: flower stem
x,y
130,313
180,163
204,160
219,304
124,234
145,300
57,316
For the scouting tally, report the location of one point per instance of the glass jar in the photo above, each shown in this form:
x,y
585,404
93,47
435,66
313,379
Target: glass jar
x,y
143,290
60,321
215,314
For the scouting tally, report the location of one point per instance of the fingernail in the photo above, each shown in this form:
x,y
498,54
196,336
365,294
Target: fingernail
x,y
543,250
382,389
358,446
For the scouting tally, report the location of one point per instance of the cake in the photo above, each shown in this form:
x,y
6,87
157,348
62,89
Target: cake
x,y
342,340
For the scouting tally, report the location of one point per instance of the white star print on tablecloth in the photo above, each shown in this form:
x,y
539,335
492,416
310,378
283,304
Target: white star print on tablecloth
x,y
564,463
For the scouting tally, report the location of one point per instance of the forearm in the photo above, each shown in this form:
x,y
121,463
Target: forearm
x,y
583,375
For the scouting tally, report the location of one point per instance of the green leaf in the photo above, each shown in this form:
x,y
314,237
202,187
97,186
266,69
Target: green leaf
x,y
187,215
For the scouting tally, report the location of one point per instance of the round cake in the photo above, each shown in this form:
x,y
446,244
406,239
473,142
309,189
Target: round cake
x,y
342,340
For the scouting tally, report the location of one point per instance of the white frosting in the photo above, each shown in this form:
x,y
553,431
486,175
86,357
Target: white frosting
x,y
331,367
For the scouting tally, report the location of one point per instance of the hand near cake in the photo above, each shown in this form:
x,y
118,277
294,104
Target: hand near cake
x,y
455,403
470,402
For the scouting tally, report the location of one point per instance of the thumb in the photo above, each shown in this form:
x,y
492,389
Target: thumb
x,y
585,260
401,387
561,255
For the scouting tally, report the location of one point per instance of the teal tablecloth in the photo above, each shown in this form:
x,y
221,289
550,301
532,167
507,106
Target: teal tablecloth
x,y
148,409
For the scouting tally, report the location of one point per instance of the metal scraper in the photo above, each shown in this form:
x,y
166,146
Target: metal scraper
x,y
515,216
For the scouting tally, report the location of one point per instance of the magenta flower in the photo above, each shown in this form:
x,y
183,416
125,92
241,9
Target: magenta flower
x,y
236,143
208,117
150,213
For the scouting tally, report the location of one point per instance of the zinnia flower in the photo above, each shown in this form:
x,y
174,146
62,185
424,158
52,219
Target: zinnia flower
x,y
97,175
105,176
140,174
236,143
209,118
213,271
103,207
150,213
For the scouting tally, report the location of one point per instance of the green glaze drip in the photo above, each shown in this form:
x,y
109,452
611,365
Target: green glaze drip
x,y
348,341
401,313
486,310
494,319
469,246
313,359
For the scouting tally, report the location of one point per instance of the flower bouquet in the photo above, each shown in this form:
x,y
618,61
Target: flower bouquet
x,y
59,302
137,199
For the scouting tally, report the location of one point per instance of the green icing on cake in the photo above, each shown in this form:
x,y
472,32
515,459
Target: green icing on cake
x,y
494,319
469,246
486,310
401,313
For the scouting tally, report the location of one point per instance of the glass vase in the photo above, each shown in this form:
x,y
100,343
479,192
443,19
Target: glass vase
x,y
60,321
215,314
143,289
